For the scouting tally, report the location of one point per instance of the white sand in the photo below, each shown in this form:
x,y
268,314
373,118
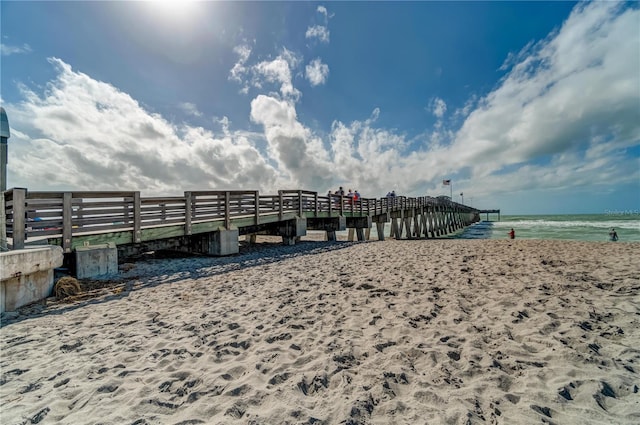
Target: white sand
x,y
394,332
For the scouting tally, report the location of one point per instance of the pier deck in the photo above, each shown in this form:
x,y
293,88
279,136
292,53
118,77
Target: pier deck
x,y
128,220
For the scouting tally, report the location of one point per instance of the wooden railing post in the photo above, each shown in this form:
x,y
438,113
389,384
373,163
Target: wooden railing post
x,y
19,214
315,203
300,203
280,206
256,200
330,205
137,219
187,213
341,204
67,226
227,210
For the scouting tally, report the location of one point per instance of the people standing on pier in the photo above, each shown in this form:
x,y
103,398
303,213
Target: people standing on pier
x,y
356,195
350,197
512,234
613,236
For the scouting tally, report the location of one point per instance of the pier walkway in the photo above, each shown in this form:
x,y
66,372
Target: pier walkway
x,y
212,221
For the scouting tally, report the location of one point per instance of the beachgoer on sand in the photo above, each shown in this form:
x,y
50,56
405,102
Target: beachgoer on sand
x,y
613,236
512,234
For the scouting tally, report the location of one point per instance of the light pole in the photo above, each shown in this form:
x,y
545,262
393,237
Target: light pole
x,y
4,135
462,196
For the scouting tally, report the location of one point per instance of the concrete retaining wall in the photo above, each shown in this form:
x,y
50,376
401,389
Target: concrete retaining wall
x,y
26,275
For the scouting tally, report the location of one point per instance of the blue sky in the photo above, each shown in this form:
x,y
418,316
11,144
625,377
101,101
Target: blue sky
x,y
531,107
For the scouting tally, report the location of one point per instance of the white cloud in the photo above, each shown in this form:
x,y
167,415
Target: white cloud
x,y
190,109
318,31
278,71
239,70
577,87
85,134
317,72
438,107
7,50
299,154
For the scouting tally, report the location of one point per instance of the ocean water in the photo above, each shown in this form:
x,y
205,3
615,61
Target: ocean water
x,y
579,227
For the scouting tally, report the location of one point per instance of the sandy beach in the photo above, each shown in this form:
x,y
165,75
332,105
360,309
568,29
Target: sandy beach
x,y
393,332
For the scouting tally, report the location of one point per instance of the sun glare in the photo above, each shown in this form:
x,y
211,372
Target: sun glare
x,y
173,8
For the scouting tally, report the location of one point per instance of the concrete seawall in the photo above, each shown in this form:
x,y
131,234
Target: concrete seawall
x,y
26,275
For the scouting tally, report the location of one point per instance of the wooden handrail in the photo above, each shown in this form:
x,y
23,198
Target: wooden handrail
x,y
65,214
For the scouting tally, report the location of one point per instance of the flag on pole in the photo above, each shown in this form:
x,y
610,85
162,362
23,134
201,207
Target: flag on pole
x,y
446,182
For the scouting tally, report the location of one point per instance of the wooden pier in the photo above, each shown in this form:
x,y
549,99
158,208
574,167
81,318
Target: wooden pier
x,y
196,220
487,212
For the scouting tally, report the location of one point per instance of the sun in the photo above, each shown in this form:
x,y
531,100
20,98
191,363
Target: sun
x,y
178,9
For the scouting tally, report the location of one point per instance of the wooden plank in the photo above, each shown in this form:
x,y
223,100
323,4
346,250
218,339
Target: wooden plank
x,y
45,195
103,194
163,199
315,204
137,221
101,229
18,233
188,201
155,233
227,215
67,226
118,238
160,218
256,200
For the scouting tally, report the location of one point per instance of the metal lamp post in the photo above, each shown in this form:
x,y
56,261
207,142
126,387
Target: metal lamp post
x,y
462,197
4,135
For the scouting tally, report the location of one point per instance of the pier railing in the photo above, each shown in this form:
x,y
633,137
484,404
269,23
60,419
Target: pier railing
x,y
65,215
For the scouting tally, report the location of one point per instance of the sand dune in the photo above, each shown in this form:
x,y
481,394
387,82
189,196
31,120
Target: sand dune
x,y
393,332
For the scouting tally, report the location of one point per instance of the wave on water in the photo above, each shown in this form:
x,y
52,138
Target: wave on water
x,y
618,224
568,227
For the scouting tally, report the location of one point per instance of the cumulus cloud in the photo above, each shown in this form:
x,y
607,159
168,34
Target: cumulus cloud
x,y
279,71
565,94
317,72
7,50
319,32
85,134
299,154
